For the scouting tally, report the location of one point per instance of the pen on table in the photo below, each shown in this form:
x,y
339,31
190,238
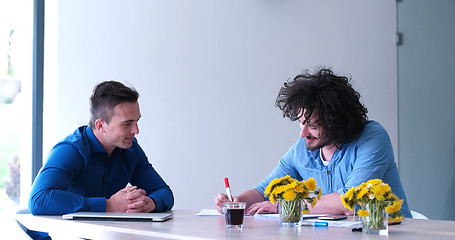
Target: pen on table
x,y
228,189
313,223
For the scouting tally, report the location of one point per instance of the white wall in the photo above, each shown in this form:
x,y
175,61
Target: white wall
x,y
208,73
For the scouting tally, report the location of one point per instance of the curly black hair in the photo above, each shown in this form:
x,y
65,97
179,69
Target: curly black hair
x,y
331,97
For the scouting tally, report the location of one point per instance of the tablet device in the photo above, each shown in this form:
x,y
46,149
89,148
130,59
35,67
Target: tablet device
x,y
110,216
333,217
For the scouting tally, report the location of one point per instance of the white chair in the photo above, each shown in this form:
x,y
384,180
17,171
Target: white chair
x,y
418,215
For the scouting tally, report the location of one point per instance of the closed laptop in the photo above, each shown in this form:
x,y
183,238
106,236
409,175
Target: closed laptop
x,y
110,216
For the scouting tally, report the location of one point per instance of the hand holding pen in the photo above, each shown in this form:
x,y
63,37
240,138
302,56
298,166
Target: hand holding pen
x,y
224,197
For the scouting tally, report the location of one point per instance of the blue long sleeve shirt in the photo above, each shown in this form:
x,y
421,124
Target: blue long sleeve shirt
x,y
79,176
369,156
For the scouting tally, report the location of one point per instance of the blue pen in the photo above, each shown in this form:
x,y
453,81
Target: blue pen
x,y
314,223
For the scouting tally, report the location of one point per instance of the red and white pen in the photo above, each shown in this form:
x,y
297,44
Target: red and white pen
x,y
228,189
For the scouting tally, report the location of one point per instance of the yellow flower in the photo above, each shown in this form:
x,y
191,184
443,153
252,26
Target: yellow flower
x,y
310,184
362,193
396,219
272,199
313,202
304,194
392,197
271,185
363,213
305,211
373,194
289,195
379,192
289,189
278,190
396,206
319,193
274,183
385,187
292,185
284,178
374,182
350,193
345,203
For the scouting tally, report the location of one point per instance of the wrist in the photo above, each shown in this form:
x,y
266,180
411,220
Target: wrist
x,y
108,209
152,204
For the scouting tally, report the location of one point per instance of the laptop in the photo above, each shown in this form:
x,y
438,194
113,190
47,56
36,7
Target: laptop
x,y
110,216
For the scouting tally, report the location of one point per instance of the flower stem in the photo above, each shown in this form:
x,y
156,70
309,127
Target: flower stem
x,y
290,211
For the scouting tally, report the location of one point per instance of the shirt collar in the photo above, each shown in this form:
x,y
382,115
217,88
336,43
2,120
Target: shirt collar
x,y
95,144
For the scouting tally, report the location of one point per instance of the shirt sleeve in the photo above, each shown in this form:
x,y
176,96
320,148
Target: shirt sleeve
x,y
285,167
147,178
373,156
49,193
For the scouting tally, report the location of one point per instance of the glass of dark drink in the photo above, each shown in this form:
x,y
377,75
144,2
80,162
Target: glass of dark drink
x,y
234,212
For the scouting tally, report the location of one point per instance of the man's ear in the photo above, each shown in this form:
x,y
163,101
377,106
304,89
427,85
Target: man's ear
x,y
99,124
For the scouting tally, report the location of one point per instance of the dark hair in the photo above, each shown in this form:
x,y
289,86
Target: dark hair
x,y
331,97
106,96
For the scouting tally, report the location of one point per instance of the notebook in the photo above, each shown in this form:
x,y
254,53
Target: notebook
x,y
110,216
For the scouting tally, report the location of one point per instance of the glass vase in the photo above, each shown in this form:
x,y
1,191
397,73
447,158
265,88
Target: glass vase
x,y
290,212
377,221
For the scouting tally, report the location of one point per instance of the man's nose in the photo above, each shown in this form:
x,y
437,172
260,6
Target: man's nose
x,y
303,130
135,129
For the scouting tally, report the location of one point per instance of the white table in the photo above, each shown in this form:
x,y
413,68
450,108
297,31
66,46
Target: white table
x,y
186,225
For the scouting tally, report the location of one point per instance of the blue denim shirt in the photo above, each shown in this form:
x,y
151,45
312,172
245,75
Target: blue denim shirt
x,y
369,156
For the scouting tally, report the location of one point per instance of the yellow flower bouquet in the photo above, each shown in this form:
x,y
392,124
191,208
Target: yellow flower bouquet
x,y
293,197
376,201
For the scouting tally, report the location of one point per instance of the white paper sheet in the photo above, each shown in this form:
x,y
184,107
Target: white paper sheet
x,y
314,217
209,212
346,224
304,216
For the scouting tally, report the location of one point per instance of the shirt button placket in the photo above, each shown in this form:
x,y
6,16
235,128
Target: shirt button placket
x,y
329,178
106,176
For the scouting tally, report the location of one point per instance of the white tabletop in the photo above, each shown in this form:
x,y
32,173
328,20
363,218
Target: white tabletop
x,y
186,225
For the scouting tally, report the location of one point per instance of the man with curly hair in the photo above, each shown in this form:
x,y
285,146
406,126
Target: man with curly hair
x,y
338,145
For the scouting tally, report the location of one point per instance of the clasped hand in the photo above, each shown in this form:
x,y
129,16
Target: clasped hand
x,y
131,200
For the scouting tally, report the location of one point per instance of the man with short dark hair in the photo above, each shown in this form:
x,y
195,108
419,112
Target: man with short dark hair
x,y
338,145
91,169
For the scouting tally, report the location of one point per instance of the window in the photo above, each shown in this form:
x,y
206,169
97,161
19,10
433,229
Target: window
x,y
16,45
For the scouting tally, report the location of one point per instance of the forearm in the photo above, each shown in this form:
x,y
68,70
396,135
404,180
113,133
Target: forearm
x,y
50,195
250,197
330,203
163,199
48,202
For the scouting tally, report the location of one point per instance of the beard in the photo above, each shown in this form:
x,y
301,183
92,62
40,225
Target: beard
x,y
315,144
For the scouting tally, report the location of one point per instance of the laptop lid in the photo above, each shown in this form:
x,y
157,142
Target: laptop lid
x,y
110,216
